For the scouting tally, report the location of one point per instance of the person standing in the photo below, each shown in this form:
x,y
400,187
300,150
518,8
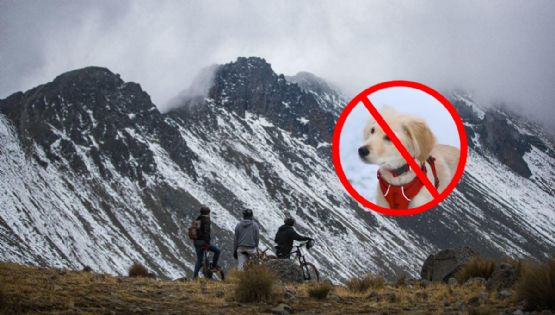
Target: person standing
x,y
203,242
247,234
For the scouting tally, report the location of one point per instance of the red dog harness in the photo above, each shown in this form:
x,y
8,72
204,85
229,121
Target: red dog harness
x,y
398,197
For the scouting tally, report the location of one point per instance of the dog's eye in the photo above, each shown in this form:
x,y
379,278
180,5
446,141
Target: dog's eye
x,y
372,130
386,138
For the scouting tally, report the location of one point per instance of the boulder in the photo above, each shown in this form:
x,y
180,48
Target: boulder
x,y
476,281
444,264
282,309
452,282
285,269
503,277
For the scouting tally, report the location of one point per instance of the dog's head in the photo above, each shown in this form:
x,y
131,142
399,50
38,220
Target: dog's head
x,y
413,132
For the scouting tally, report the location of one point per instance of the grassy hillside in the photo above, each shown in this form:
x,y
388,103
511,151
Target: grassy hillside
x,y
35,290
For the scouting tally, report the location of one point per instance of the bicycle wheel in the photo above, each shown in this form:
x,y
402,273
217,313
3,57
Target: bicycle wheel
x,y
311,272
206,271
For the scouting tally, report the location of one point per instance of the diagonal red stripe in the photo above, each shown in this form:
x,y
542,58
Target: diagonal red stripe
x,y
400,147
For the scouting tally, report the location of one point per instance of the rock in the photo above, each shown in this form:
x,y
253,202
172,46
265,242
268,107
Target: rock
x,y
421,295
474,301
289,294
389,297
484,297
503,277
475,281
282,309
504,294
424,283
286,270
373,296
334,298
446,263
87,269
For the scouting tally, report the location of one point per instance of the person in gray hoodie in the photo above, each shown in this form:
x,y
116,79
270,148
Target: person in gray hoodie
x,y
247,234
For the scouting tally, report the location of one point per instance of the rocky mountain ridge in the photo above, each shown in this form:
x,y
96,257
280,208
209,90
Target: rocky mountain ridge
x,y
93,174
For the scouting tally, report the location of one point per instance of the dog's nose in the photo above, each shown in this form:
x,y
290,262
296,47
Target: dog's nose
x,y
363,151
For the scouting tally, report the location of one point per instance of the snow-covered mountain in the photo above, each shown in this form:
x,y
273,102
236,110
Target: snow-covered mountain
x,y
91,173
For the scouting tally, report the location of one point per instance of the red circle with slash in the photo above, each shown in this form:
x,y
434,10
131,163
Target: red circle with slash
x,y
362,97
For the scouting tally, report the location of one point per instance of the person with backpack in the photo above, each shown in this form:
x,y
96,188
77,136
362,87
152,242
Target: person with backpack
x,y
247,234
285,236
200,233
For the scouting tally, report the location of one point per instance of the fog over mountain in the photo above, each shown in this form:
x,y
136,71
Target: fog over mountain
x,y
502,51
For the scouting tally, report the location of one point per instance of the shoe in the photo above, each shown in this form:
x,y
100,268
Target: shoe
x,y
215,267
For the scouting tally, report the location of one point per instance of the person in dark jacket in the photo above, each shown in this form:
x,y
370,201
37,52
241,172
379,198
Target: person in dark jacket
x,y
285,236
203,241
247,235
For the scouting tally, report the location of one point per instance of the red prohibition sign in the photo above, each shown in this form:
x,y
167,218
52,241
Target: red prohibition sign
x,y
362,97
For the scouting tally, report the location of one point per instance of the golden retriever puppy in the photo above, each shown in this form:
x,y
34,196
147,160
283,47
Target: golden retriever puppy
x,y
399,187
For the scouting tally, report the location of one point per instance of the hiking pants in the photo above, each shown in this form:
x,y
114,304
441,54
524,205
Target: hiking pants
x,y
199,244
243,255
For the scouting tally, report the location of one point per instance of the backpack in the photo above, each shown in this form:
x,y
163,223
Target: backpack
x,y
194,230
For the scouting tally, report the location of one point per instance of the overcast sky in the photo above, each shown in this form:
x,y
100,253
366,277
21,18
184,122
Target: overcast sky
x,y
502,51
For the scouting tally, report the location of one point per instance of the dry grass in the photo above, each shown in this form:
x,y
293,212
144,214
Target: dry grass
x,y
365,283
402,280
232,275
476,267
2,297
516,263
53,291
536,286
320,291
138,270
482,310
255,284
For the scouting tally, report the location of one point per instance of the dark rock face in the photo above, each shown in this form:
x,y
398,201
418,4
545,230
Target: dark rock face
x,y
250,85
107,139
91,125
286,270
503,277
327,94
98,114
505,143
444,264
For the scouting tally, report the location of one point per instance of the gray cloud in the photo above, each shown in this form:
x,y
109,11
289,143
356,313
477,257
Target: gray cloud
x,y
500,50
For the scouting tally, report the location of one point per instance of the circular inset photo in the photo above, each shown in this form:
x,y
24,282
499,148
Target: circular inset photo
x,y
399,148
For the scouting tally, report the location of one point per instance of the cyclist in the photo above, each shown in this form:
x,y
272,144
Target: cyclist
x,y
285,236
203,241
247,234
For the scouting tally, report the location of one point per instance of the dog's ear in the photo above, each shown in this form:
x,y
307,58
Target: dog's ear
x,y
421,136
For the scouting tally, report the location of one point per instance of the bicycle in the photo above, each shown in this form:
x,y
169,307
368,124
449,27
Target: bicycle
x,y
208,270
258,258
310,272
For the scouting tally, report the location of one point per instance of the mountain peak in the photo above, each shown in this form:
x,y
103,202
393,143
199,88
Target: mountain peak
x,y
252,62
311,82
91,74
246,68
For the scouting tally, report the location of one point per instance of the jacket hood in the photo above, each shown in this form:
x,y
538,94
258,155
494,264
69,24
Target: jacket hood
x,y
284,227
246,223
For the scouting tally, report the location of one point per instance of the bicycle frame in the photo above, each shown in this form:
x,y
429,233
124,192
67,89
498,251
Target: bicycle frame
x,y
302,261
207,270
